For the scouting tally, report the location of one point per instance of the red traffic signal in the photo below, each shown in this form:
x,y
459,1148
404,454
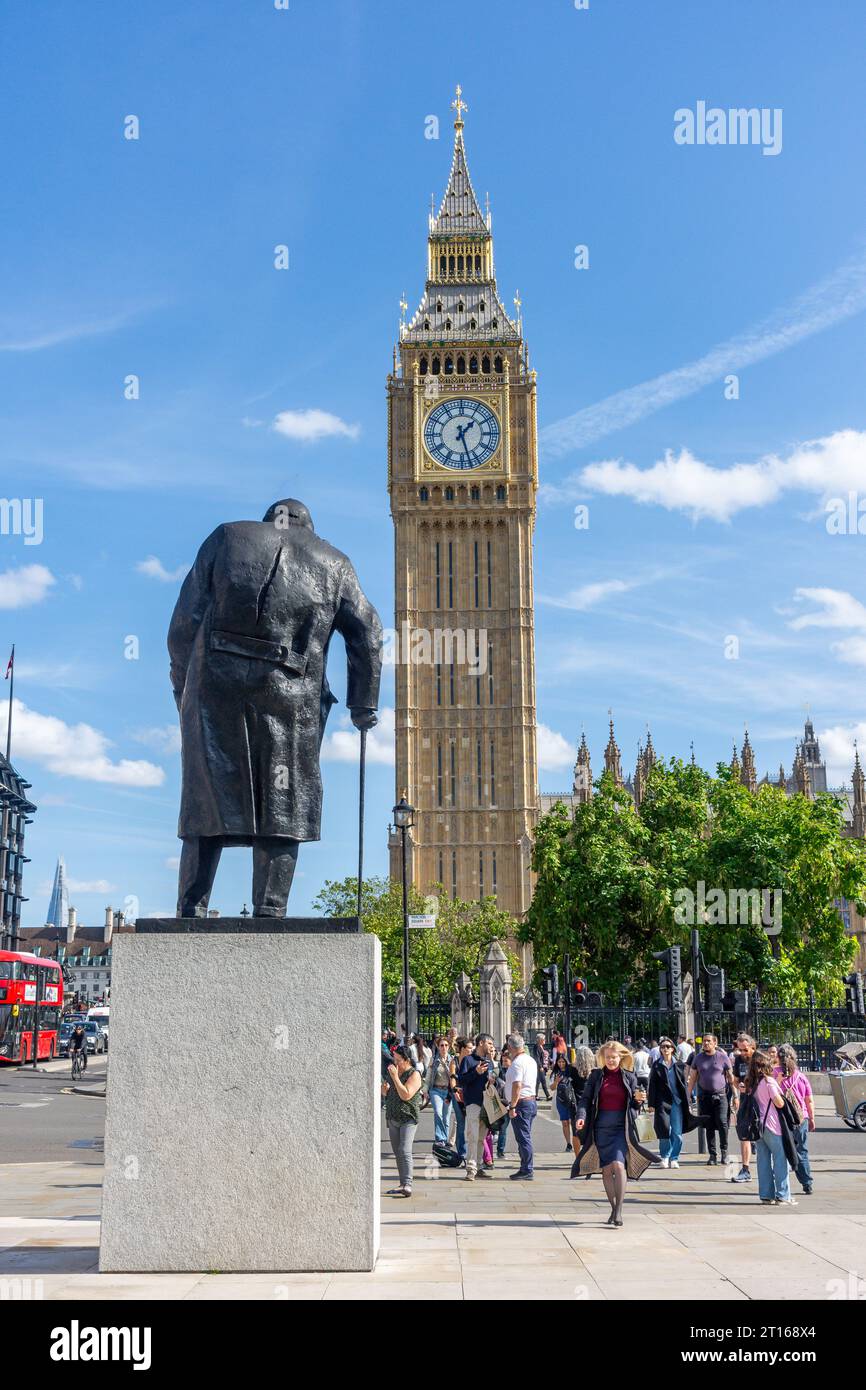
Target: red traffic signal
x,y
579,991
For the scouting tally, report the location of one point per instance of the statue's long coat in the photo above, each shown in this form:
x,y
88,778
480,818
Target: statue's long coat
x,y
249,643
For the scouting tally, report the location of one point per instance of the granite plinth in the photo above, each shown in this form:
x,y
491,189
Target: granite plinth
x,y
235,1139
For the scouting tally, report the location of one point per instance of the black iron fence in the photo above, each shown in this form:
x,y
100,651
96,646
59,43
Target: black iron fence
x,y
591,1027
815,1032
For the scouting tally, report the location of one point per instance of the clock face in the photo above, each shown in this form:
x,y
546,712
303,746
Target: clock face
x,y
461,433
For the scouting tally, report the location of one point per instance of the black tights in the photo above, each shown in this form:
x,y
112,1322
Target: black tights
x,y
614,1178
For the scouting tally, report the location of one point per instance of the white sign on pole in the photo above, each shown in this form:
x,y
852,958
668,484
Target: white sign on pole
x,y
422,919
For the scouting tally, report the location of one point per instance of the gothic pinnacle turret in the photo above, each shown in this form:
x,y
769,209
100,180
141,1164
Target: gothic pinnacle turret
x,y
858,781
582,786
748,775
612,761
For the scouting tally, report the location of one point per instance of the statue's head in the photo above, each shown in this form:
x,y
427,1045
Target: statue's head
x,y
289,512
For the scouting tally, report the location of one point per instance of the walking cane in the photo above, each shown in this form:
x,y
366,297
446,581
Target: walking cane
x,y
361,818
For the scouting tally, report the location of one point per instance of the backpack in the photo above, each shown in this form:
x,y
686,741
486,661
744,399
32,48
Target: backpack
x,y
565,1093
446,1156
793,1108
750,1124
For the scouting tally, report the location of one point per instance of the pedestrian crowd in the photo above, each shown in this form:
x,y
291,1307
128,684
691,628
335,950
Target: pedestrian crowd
x,y
611,1103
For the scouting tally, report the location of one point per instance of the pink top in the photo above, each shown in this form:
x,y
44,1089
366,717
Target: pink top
x,y
765,1089
798,1083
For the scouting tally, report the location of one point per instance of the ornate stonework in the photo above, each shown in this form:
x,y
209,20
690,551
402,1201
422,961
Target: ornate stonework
x,y
462,482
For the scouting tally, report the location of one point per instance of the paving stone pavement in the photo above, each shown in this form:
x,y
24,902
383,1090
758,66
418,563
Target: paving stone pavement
x,y
687,1232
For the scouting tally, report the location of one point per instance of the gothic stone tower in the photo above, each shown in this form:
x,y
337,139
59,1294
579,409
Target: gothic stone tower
x,y
462,476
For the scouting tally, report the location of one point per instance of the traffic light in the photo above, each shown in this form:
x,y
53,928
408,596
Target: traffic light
x,y
670,979
595,999
715,987
578,991
741,1001
854,992
550,976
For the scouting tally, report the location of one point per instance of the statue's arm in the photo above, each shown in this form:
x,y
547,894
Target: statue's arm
x,y
189,610
358,624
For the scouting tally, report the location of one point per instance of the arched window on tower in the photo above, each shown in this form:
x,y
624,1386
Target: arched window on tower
x,y
497,365
449,494
449,366
501,493
461,366
473,365
422,366
439,301
472,323
475,494
443,266
427,325
437,367
450,265
485,363
447,323
481,306
460,306
423,494
460,266
477,265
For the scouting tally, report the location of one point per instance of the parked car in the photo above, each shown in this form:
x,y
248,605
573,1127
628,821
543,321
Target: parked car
x,y
63,1043
95,1042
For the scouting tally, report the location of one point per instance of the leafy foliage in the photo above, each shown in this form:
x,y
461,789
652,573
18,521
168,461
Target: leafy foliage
x,y
611,881
458,943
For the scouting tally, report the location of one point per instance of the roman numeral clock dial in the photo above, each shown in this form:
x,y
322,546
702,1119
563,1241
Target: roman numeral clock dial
x,y
461,434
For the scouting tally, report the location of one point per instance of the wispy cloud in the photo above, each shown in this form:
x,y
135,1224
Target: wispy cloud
x,y
309,426
588,595
36,339
838,296
825,468
155,569
25,586
836,609
164,740
75,750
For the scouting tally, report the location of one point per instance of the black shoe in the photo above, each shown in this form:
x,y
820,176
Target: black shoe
x,y
618,1221
808,1190
712,1161
611,1220
525,1177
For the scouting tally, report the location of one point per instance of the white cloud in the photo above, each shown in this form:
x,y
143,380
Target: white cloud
x,y
93,885
155,569
164,740
827,467
837,609
837,749
173,861
22,587
309,426
555,753
75,750
588,595
344,745
831,300
35,340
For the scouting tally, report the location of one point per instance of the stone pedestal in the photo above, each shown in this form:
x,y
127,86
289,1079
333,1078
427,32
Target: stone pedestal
x,y
243,1116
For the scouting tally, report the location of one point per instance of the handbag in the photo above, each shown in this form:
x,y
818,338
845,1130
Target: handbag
x,y
646,1131
494,1106
793,1109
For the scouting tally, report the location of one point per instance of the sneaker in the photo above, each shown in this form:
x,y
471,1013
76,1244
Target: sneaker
x,y
672,1163
808,1190
664,1163
487,1176
519,1176
768,1201
470,1176
786,1201
568,1148
744,1175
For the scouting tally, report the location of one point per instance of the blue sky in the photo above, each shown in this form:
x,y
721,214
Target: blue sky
x,y
306,127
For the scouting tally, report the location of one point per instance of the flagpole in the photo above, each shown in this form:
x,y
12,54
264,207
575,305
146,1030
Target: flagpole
x,y
11,673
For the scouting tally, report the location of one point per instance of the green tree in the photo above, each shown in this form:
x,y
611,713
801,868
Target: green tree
x,y
616,884
458,943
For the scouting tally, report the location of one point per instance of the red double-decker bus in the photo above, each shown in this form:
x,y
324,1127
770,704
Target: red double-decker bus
x,y
27,984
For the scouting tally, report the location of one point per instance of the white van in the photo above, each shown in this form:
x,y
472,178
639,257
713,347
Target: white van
x,y
99,1014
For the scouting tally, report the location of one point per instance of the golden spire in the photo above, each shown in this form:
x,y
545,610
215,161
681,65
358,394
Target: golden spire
x,y
459,106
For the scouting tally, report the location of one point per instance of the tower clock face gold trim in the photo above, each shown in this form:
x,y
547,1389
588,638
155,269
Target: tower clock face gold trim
x,y
461,433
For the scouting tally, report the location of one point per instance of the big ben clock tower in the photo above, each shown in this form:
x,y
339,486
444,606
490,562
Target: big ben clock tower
x,y
462,477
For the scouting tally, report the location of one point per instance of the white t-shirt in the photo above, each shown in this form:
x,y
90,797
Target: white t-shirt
x,y
684,1052
525,1070
642,1061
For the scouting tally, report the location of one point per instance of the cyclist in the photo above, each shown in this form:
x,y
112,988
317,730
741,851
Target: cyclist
x,y
78,1043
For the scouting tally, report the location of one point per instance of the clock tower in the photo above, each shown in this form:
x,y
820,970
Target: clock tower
x,y
462,477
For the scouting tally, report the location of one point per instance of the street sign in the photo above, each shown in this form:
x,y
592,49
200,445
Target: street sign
x,y
427,920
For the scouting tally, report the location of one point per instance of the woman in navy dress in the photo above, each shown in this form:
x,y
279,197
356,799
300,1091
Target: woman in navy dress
x,y
606,1123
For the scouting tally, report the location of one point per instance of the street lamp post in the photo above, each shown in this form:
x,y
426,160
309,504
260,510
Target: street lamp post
x,y
403,819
